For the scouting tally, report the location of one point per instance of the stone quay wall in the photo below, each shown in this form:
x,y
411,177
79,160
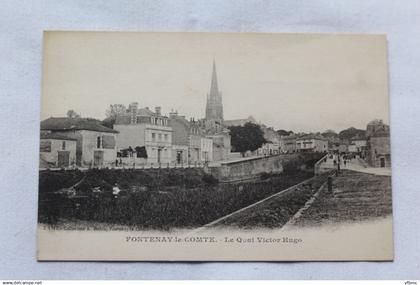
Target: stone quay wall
x,y
248,168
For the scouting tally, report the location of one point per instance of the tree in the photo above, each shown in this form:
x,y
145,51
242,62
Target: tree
x,y
247,137
111,114
284,132
329,134
72,114
114,110
350,133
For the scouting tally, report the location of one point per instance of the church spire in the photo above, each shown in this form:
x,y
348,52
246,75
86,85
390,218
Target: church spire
x,y
214,107
214,89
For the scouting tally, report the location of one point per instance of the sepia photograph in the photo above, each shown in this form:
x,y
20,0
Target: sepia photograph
x,y
214,147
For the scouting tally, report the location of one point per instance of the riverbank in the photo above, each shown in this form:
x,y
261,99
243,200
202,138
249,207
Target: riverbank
x,y
152,200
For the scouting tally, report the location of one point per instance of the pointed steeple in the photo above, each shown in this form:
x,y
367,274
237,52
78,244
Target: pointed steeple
x,y
214,107
214,89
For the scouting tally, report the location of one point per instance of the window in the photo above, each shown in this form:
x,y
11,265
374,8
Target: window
x,y
160,137
45,146
153,137
166,137
98,142
63,145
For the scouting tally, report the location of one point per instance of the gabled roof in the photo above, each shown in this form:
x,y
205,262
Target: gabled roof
x,y
66,124
53,136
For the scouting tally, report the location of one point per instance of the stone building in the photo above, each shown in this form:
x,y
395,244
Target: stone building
x,y
57,151
206,147
312,143
141,128
374,126
288,144
95,144
360,145
221,145
268,148
194,146
379,150
343,147
272,146
181,134
378,146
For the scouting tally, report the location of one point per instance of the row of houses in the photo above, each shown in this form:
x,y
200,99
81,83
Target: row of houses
x,y
172,139
318,143
304,143
294,143
276,144
373,147
139,136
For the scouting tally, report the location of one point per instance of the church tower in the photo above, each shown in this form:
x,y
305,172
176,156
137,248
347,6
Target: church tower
x,y
214,106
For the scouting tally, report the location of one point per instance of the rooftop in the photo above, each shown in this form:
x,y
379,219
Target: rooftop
x,y
239,122
53,136
66,124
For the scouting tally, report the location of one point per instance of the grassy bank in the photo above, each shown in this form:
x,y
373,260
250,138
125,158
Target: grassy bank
x,y
278,211
151,199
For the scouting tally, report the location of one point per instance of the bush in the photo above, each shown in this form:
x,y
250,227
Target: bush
x,y
210,179
265,175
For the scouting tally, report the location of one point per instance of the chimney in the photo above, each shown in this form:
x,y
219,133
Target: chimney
x,y
132,108
173,114
157,110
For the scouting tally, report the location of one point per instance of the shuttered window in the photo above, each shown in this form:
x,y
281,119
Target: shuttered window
x,y
108,142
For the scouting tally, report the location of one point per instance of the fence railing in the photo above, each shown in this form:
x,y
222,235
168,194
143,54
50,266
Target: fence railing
x,y
133,166
317,166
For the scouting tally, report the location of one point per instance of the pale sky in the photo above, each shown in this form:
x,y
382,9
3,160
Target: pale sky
x,y
298,82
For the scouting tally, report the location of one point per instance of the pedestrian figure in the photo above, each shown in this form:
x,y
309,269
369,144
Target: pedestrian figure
x,y
335,162
345,161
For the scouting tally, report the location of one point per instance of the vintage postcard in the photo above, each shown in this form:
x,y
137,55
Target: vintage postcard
x,y
214,147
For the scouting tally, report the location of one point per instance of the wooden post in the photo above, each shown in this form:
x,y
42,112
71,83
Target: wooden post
x,y
329,184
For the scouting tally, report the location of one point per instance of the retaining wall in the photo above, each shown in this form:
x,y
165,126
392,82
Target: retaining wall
x,y
247,168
